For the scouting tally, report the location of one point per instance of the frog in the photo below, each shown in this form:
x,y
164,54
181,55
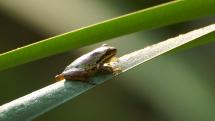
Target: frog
x,y
100,59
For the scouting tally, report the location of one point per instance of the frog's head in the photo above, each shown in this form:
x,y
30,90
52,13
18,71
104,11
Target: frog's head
x,y
103,53
109,50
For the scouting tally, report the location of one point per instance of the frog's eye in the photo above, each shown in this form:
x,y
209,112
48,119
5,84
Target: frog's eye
x,y
105,45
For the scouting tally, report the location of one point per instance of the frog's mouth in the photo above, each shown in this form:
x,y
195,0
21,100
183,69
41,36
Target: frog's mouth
x,y
111,52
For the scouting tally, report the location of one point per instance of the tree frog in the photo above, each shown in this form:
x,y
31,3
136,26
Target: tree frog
x,y
87,65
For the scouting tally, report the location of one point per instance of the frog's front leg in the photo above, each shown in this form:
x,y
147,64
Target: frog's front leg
x,y
111,66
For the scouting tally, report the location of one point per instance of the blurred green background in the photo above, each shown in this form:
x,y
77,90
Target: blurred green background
x,y
176,87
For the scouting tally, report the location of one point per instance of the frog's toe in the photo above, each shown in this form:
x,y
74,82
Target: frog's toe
x,y
106,68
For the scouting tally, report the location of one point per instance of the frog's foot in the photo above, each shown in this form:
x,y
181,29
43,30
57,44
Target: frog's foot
x,y
59,77
117,70
111,67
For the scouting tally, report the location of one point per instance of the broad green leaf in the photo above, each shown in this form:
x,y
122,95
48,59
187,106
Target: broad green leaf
x,y
151,18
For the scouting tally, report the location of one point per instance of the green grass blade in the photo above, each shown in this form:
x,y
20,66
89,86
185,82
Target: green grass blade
x,y
39,102
171,45
158,16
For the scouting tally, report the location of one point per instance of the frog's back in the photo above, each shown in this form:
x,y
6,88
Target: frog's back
x,y
83,61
